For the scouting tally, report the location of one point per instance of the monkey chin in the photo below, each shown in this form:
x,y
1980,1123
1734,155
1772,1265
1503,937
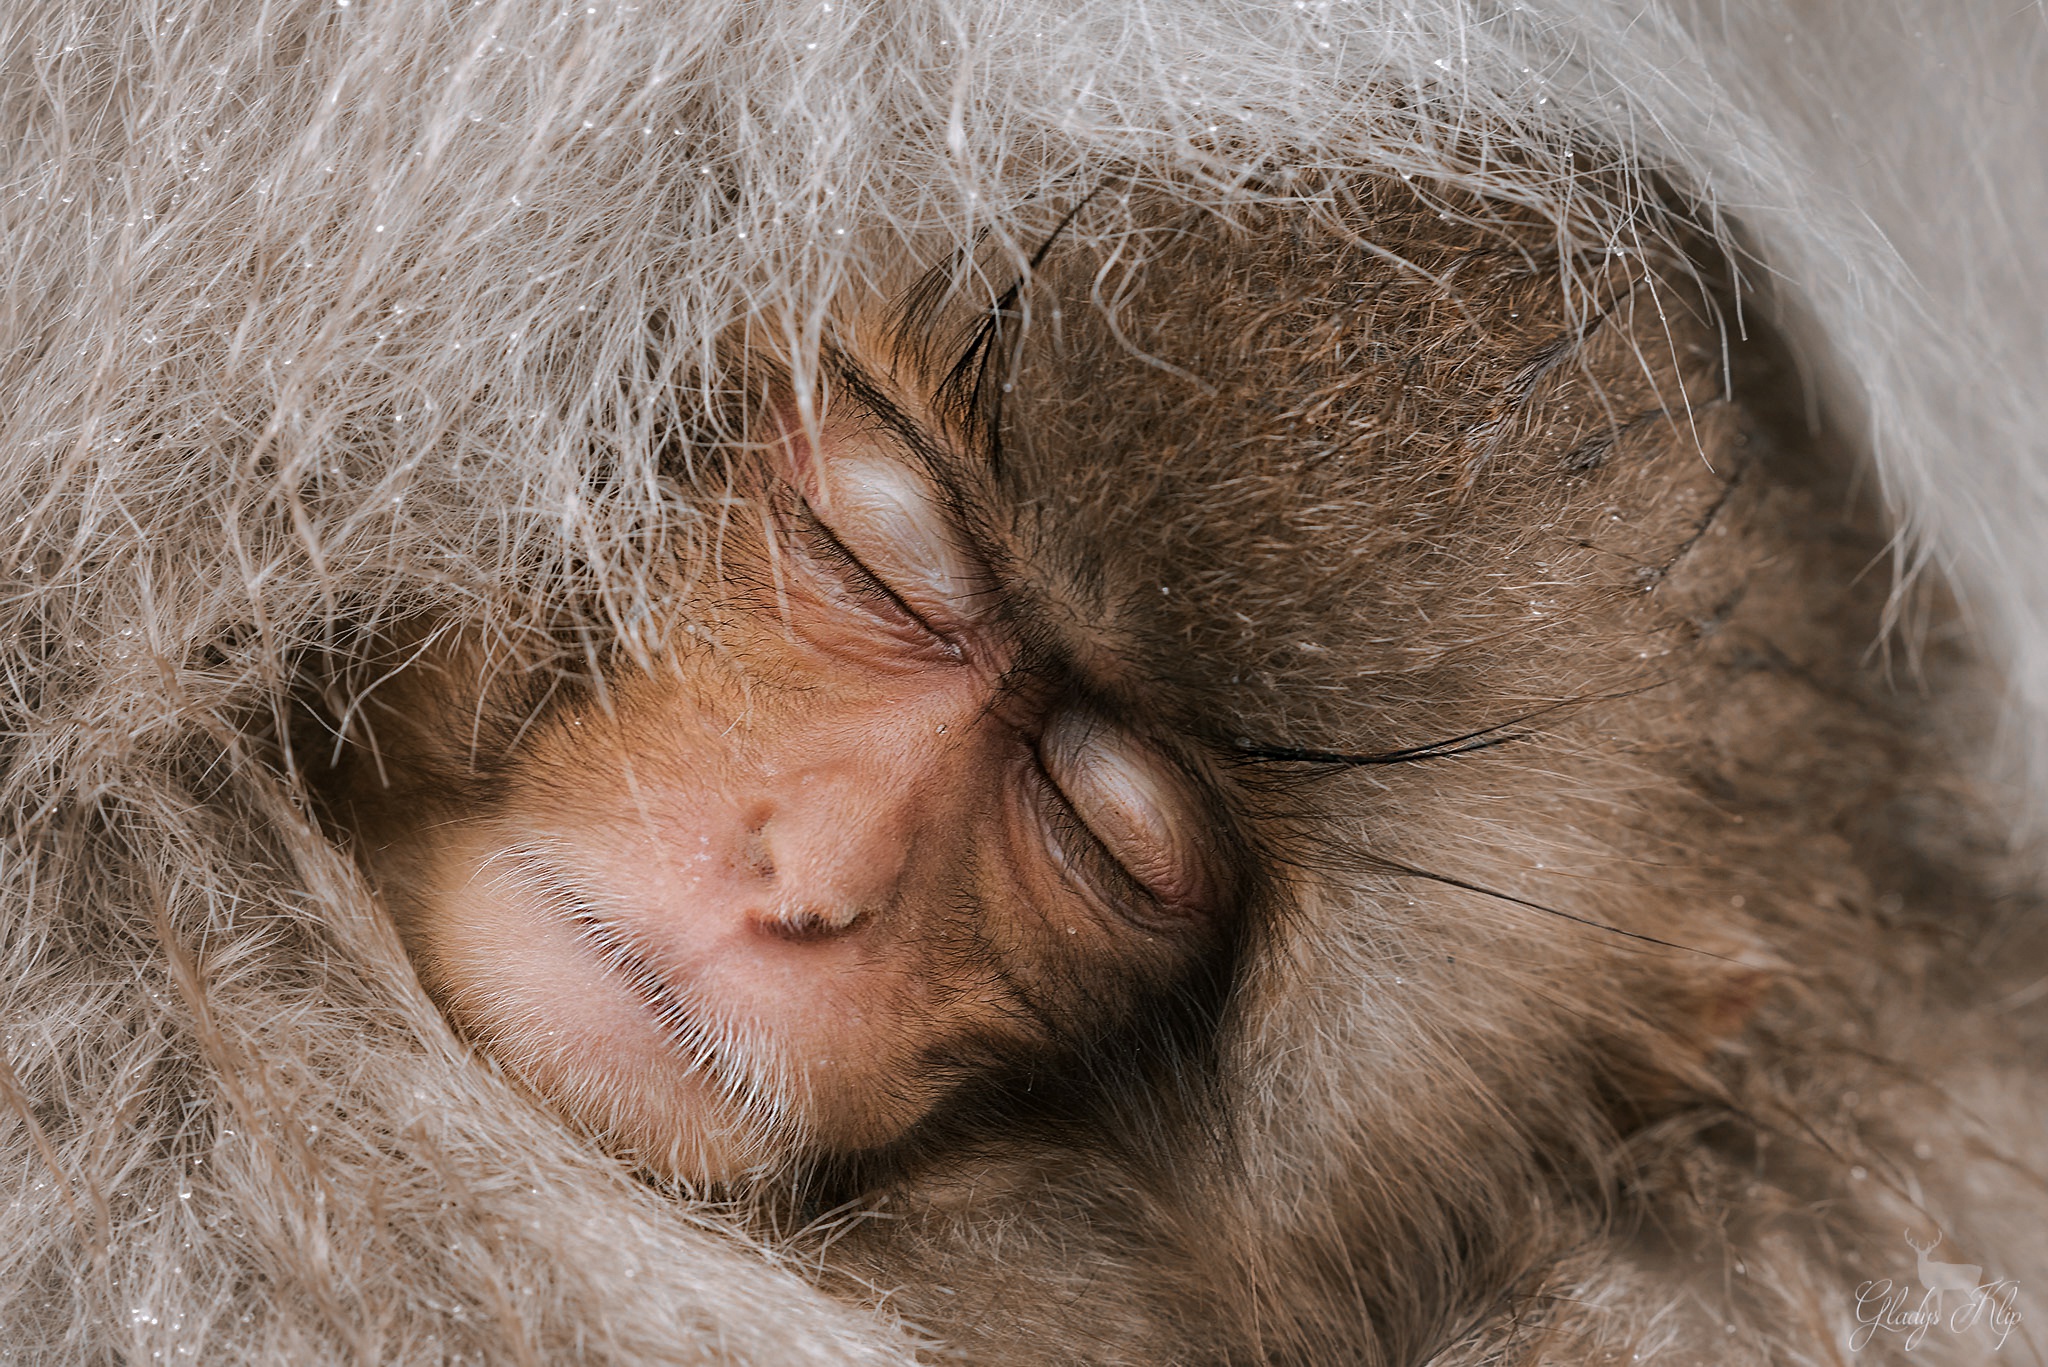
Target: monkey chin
x,y
603,1042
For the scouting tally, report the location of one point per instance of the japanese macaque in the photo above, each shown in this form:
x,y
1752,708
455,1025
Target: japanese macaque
x,y
863,825
870,683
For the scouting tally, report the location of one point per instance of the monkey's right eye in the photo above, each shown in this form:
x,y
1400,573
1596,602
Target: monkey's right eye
x,y
847,574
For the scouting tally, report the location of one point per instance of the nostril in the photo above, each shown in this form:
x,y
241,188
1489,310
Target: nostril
x,y
755,855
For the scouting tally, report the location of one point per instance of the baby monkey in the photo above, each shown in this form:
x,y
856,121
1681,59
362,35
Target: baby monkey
x,y
875,834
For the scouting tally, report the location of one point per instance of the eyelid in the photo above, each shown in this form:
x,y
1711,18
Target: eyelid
x,y
1123,798
855,573
1082,853
895,524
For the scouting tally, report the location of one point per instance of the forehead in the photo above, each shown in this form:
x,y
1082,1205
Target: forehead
x,y
1214,444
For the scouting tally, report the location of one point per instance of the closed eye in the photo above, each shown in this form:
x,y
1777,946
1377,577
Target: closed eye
x,y
895,523
1115,819
1080,853
844,573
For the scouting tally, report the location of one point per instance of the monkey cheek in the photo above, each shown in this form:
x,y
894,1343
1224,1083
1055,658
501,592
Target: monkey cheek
x,y
656,1112
746,1073
585,1043
748,1095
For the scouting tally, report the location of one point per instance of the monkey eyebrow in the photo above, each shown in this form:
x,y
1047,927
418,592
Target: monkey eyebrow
x,y
966,390
869,395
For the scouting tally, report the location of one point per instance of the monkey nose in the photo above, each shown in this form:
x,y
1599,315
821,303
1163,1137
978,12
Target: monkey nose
x,y
823,867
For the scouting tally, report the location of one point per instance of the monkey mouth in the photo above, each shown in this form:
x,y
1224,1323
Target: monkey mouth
x,y
564,899
621,960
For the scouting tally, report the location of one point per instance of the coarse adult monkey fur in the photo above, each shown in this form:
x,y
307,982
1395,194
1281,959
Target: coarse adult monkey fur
x,y
1650,388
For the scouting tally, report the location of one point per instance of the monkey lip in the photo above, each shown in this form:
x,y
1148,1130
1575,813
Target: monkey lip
x,y
566,900
617,955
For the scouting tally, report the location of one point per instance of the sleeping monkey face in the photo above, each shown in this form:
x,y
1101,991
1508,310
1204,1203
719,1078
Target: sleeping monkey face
x,y
858,838
929,797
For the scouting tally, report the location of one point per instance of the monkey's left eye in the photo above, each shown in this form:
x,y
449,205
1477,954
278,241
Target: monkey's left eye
x,y
1131,806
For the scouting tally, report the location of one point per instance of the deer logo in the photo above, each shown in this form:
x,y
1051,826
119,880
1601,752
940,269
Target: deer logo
x,y
1940,1277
